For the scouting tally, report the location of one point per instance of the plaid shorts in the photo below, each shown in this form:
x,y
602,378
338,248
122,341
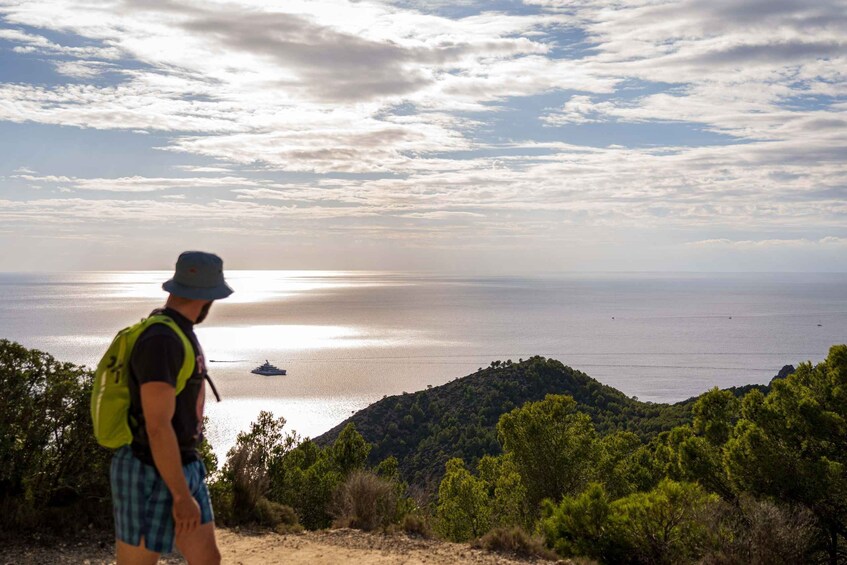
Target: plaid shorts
x,y
143,504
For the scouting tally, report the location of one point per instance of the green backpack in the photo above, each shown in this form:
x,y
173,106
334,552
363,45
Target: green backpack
x,y
110,395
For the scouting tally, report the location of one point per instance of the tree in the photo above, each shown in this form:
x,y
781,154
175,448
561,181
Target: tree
x,y
792,444
463,511
715,414
506,492
625,465
350,451
554,447
695,452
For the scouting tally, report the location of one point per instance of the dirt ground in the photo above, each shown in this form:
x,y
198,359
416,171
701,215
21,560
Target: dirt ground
x,y
330,547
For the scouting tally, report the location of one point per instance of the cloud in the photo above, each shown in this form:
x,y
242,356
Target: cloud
x,y
392,117
305,87
579,109
137,183
442,215
829,241
198,169
30,43
82,69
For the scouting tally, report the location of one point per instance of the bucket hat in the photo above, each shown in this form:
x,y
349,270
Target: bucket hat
x,y
198,275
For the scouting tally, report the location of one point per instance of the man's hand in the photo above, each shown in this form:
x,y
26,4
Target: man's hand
x,y
186,515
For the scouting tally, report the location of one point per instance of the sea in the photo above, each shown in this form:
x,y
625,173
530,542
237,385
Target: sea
x,y
349,338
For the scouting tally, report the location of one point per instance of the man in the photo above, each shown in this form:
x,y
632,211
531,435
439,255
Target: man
x,y
158,482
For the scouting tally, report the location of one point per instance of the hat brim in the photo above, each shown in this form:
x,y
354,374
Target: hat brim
x,y
211,293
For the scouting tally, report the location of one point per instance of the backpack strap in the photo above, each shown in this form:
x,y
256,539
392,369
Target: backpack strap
x,y
188,361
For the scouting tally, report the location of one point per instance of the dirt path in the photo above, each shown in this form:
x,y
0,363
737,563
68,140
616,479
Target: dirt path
x,y
329,547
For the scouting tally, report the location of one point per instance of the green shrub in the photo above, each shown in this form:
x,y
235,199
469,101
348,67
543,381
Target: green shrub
x,y
663,525
307,477
268,465
220,493
279,517
249,480
579,525
54,476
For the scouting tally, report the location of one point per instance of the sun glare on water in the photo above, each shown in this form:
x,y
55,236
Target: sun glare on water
x,y
233,341
249,286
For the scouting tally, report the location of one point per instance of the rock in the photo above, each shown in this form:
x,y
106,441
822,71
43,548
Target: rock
x,y
784,372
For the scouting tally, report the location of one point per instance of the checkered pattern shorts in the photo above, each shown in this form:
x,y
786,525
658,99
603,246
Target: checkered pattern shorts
x,y
143,504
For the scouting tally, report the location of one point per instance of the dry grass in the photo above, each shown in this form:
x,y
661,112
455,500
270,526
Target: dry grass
x,y
365,502
417,525
514,541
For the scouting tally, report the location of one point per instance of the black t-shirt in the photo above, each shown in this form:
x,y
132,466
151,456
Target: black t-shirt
x,y
158,356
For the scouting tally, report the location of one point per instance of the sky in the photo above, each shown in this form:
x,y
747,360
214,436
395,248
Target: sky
x,y
471,137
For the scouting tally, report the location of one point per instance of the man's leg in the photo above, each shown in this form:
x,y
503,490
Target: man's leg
x,y
135,555
129,477
200,546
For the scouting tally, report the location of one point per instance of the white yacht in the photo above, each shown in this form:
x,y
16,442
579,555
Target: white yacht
x,y
267,369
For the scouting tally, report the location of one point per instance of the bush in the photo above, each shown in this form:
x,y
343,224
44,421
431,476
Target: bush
x,y
365,501
579,526
417,525
279,517
661,526
240,493
268,466
759,533
54,475
249,480
220,493
514,541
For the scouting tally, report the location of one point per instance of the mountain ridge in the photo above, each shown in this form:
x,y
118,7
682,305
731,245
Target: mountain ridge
x,y
425,429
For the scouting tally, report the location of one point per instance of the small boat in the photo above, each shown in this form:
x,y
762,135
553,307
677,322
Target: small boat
x,y
267,369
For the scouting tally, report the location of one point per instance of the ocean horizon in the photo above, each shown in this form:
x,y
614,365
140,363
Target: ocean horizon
x,y
348,338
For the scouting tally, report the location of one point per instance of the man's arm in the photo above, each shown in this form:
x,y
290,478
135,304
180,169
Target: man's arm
x,y
158,401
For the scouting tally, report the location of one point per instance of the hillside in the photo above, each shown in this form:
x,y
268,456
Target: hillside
x,y
425,429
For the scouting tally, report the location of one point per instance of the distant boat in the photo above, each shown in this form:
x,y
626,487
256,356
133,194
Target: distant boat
x,y
267,370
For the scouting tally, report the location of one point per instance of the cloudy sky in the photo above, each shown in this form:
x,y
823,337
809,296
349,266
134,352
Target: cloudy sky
x,y
498,136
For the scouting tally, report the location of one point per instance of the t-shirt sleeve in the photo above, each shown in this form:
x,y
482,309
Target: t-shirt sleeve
x,y
157,356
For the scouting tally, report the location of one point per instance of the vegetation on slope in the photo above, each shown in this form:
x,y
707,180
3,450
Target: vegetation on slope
x,y
760,480
425,429
751,475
